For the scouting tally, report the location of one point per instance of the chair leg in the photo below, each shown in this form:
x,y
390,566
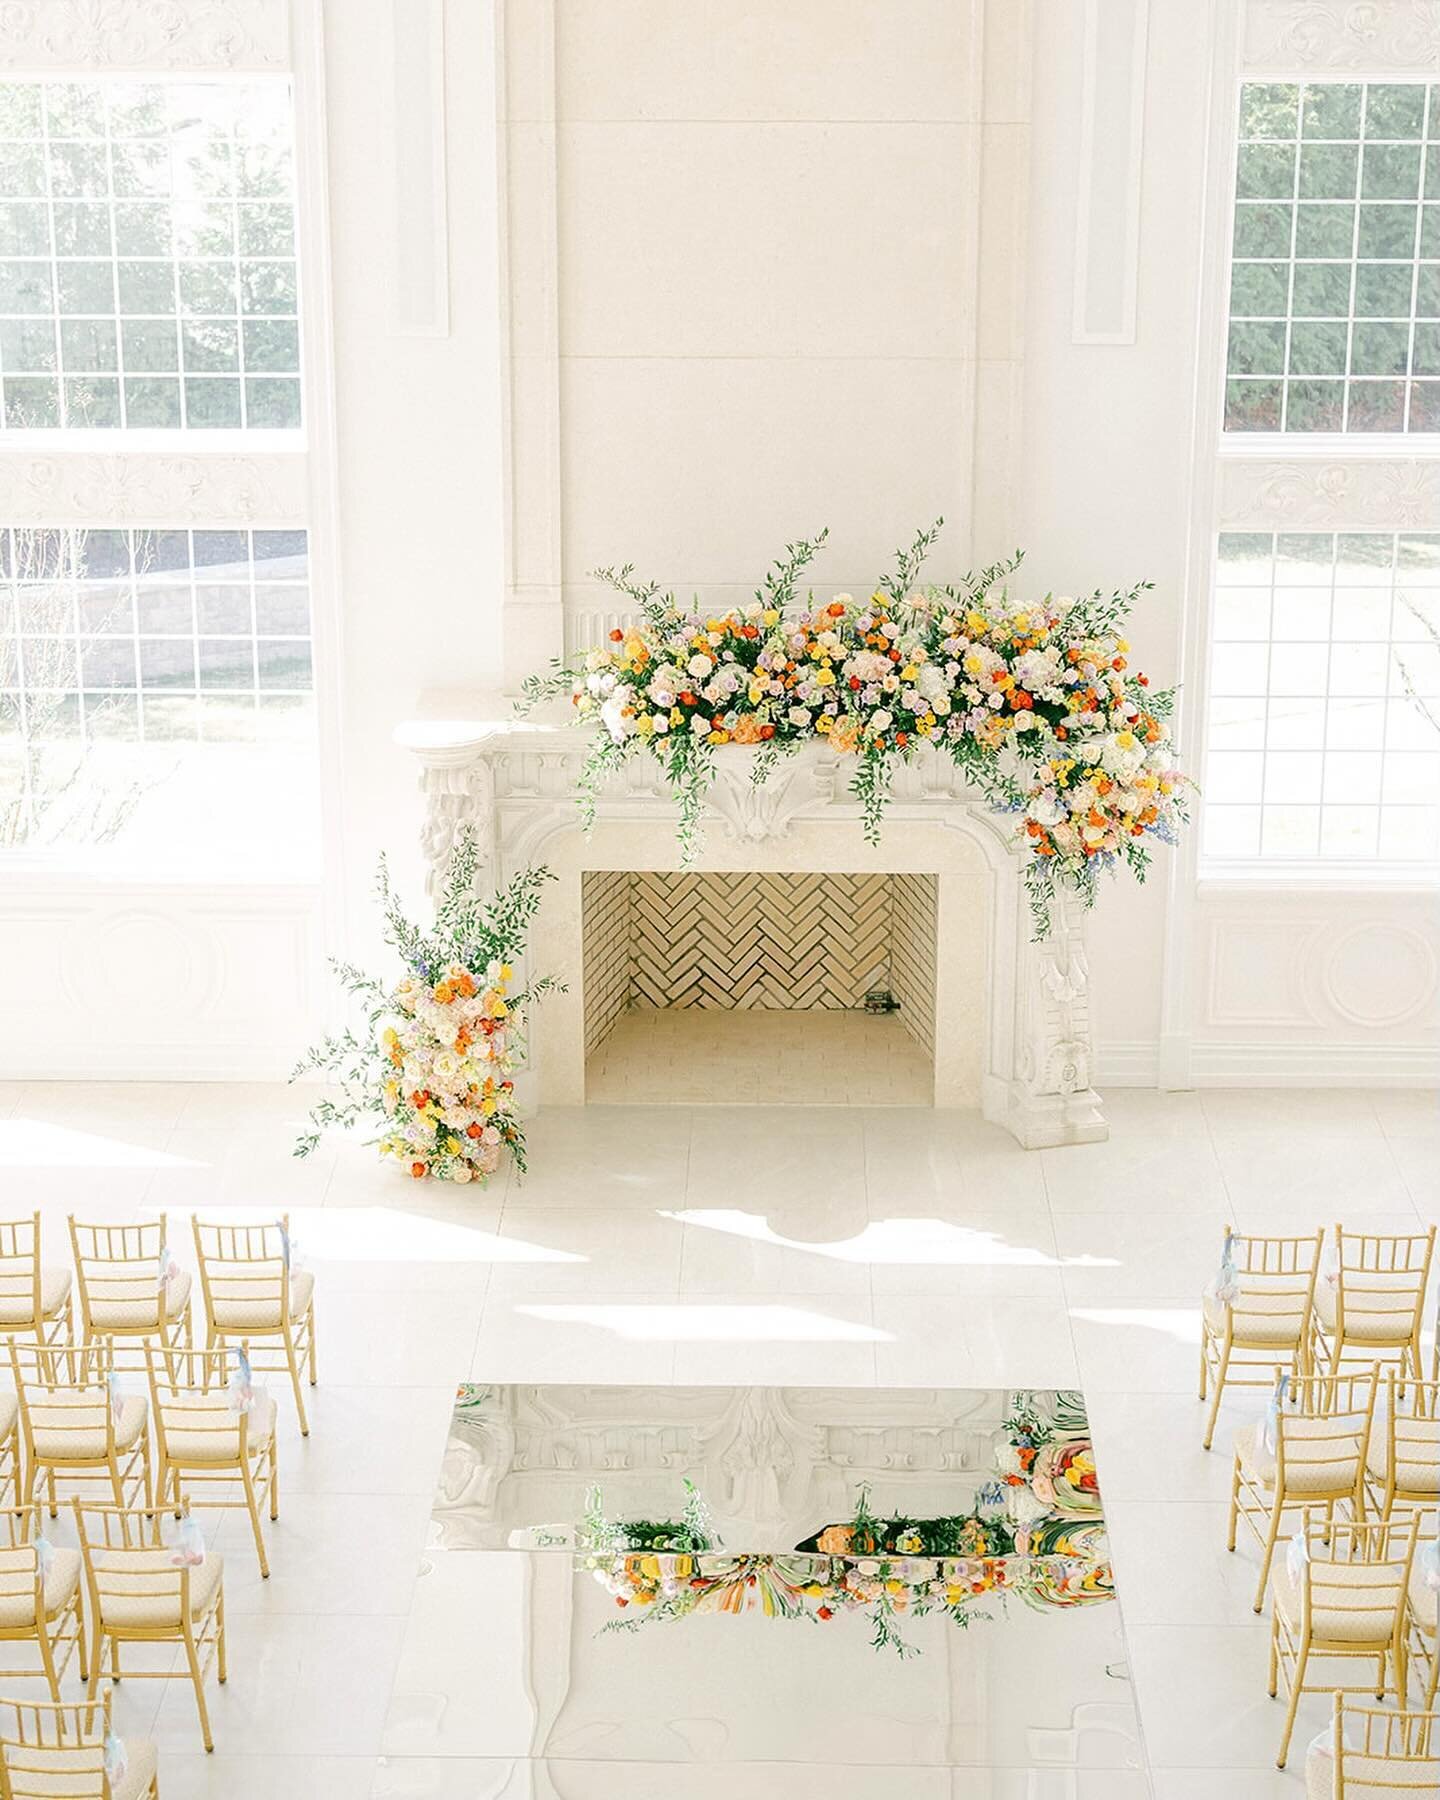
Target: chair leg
x,y
198,1679
247,1481
1234,1504
1220,1375
95,1661
1271,1537
1204,1359
47,1660
80,1645
1297,1684
274,1481
315,1348
294,1367
220,1669
1274,1679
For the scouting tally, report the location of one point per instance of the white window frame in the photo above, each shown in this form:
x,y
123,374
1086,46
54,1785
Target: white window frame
x,y
1288,481
203,479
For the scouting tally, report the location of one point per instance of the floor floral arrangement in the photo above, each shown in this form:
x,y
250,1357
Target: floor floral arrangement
x,y
1034,700
432,1070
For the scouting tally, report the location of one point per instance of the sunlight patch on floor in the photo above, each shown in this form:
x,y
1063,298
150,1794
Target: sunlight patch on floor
x,y
897,1242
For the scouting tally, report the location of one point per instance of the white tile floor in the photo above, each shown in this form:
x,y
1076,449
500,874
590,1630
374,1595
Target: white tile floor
x,y
720,1244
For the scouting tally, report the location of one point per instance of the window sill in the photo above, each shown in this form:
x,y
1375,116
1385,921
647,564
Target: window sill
x,y
21,869
104,441
1317,878
1270,446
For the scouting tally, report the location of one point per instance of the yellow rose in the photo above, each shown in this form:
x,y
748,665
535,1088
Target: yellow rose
x,y
770,616
825,677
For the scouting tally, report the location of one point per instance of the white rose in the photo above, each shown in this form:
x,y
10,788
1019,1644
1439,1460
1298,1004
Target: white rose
x,y
882,720
613,714
799,715
461,1172
699,726
1044,809
700,665
661,722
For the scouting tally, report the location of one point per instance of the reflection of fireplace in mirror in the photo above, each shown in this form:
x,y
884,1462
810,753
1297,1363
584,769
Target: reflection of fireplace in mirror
x,y
763,987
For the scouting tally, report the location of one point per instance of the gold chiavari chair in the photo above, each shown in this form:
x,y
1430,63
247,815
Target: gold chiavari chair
x,y
141,1593
203,1440
1344,1600
129,1292
252,1294
69,1752
1372,1303
1403,1464
39,1596
1374,1754
34,1299
1317,1458
76,1426
1265,1316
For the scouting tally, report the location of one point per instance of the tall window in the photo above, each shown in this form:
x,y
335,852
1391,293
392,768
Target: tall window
x,y
1335,284
156,681
1324,683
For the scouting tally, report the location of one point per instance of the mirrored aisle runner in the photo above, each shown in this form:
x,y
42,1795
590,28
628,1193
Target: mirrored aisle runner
x,y
852,1594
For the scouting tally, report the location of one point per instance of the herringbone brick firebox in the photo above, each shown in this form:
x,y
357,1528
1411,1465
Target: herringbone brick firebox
x,y
757,940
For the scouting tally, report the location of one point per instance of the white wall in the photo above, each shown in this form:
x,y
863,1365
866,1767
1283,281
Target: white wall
x,y
759,287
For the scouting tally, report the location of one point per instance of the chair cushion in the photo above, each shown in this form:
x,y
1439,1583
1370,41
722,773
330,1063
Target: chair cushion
x,y
207,1444
54,1771
149,1598
1271,1321
17,1297
17,1601
1334,1624
80,1437
133,1305
234,1307
9,1413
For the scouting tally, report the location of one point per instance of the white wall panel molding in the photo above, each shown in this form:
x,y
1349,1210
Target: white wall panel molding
x,y
1382,37
90,487
1253,969
530,335
144,980
110,35
416,121
1304,974
1393,493
1111,159
1381,974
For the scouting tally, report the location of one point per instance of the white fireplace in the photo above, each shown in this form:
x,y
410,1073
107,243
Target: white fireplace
x,y
1005,1020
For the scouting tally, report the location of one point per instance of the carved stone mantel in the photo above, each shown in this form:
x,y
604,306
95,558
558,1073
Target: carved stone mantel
x,y
514,783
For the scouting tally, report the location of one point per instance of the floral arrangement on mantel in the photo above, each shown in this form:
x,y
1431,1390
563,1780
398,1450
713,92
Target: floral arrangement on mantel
x,y
1035,701
432,1070
884,1590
